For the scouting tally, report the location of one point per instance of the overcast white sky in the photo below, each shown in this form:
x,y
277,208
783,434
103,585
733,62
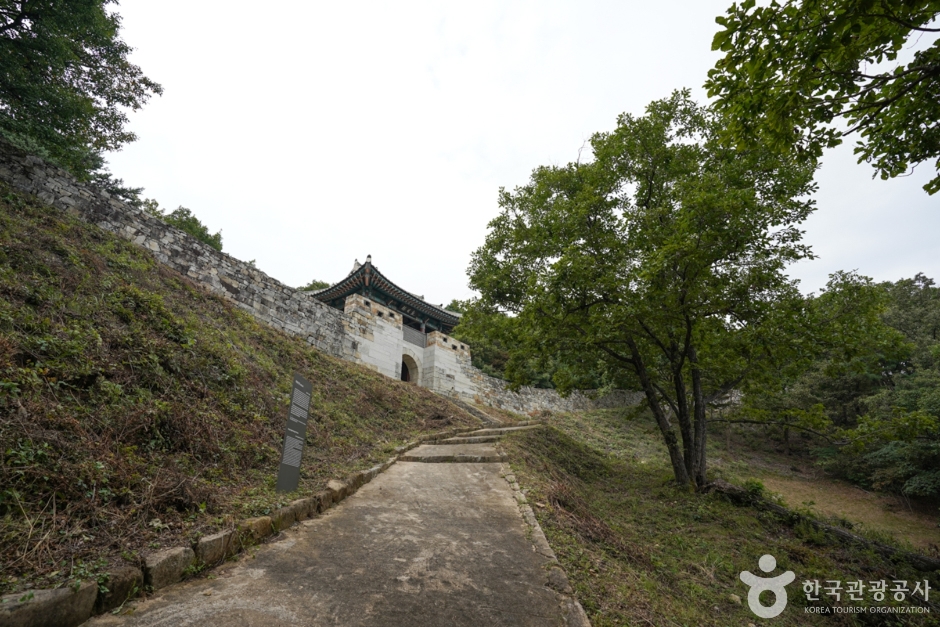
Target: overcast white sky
x,y
313,133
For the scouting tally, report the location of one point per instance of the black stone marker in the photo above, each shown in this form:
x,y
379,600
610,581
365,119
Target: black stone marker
x,y
288,476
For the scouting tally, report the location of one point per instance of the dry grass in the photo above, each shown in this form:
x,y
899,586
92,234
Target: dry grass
x,y
803,485
831,498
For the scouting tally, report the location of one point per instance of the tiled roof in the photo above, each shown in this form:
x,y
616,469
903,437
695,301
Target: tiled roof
x,y
367,275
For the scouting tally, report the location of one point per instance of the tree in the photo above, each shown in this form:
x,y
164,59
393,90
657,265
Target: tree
x,y
896,445
872,388
184,219
66,82
497,348
849,354
314,285
792,68
659,264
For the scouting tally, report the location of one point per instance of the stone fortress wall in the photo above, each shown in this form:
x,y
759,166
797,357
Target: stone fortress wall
x,y
365,332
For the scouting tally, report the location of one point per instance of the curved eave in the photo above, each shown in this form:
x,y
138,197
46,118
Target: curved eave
x,y
407,298
379,282
340,290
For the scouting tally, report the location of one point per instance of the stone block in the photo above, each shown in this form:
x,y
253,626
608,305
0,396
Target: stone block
x,y
354,482
283,518
338,489
557,580
62,607
304,508
324,500
215,548
167,567
255,529
123,584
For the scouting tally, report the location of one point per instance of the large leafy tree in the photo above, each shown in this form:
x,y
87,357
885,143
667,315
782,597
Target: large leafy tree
x,y
498,348
65,81
792,69
659,263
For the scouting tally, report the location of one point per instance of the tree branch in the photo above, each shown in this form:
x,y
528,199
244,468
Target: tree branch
x,y
669,401
616,355
900,22
15,22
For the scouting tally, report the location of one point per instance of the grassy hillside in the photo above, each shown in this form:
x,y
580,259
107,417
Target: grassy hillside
x,y
137,410
640,551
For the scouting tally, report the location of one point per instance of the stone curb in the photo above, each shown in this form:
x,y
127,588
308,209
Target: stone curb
x,y
62,607
556,579
167,567
65,607
123,584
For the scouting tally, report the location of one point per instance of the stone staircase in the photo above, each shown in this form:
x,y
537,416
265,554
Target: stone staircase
x,y
473,410
473,447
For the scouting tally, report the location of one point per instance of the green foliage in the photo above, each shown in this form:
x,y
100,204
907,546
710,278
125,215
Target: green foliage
x,y
754,487
66,83
457,306
498,348
894,446
91,571
658,265
792,68
184,219
849,353
314,285
487,332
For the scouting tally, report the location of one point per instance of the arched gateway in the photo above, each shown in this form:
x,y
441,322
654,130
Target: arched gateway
x,y
409,369
398,333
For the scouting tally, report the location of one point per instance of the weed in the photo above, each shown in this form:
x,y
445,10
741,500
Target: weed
x,y
194,569
132,593
91,571
754,487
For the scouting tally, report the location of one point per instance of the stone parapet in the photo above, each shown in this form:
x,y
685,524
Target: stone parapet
x,y
526,400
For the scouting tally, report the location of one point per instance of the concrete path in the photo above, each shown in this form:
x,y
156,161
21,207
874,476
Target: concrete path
x,y
422,545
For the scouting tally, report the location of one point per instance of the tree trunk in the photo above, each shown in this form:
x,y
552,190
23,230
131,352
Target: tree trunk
x,y
698,406
685,422
669,433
